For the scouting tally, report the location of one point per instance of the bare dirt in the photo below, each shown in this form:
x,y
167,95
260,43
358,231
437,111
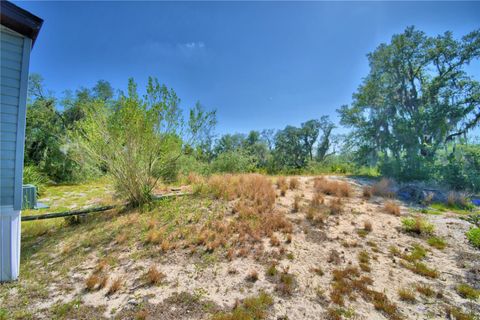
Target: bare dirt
x,y
193,290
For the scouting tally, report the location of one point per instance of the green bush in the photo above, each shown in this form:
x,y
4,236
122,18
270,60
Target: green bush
x,y
31,175
462,168
417,225
233,162
473,235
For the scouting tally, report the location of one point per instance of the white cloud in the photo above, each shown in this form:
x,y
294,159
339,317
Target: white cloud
x,y
158,48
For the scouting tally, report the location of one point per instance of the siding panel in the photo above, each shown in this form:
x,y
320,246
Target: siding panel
x,y
11,54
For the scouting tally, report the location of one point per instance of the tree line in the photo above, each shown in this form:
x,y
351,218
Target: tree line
x,y
411,119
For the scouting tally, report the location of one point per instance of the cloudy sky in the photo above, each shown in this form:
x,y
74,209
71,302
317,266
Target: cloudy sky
x,y
260,64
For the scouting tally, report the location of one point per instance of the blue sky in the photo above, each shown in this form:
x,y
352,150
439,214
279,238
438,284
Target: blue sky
x,y
260,64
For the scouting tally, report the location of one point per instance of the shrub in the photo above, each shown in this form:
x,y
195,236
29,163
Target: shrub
x,y
31,175
392,208
153,276
233,162
384,188
137,142
336,188
473,235
296,203
367,192
294,183
417,225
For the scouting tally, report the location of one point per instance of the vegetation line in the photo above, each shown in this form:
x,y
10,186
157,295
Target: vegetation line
x,y
91,209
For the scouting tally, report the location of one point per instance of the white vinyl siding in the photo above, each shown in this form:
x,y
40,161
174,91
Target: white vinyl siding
x,y
12,77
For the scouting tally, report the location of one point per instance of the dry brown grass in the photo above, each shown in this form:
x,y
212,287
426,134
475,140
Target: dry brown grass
x,y
329,187
282,183
252,276
115,286
367,192
367,226
153,276
457,199
296,204
294,183
195,179
317,201
153,237
91,282
335,206
392,208
406,294
384,188
101,265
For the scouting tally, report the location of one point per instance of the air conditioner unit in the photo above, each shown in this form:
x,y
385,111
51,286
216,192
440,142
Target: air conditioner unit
x,y
29,196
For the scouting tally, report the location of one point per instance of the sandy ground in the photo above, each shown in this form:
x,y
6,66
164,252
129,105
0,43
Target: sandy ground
x,y
223,283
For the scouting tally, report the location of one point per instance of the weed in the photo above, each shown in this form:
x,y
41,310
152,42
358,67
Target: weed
x,y
252,276
101,265
317,201
367,192
417,253
141,314
367,226
437,243
337,188
318,271
92,282
406,294
294,183
254,308
289,238
364,261
382,303
417,225
458,314
392,208
271,270
467,292
102,283
473,235
457,199
153,276
425,290
383,188
153,237
286,283
296,203
115,286
334,257
335,206
274,241
421,269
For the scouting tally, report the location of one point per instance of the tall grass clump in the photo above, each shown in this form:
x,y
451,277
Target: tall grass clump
x,y
31,175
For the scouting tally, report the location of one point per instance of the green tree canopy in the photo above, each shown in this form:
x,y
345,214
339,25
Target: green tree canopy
x,y
416,97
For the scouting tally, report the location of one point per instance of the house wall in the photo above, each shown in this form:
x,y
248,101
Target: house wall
x,y
14,60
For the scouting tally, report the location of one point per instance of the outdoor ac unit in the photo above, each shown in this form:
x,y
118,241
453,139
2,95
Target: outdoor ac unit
x,y
29,196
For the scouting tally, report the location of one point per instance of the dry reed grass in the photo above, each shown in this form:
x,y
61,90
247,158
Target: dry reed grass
x,y
335,188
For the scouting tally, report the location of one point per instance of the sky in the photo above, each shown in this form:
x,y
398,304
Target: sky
x,y
259,64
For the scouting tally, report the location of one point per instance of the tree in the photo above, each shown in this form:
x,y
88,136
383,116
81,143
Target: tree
x,y
229,142
324,144
309,132
139,140
289,148
416,97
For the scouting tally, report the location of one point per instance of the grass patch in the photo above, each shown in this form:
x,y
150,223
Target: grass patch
x,y
252,308
473,236
407,295
467,292
418,225
437,243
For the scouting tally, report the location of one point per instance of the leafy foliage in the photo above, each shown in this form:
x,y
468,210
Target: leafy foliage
x,y
138,141
416,98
